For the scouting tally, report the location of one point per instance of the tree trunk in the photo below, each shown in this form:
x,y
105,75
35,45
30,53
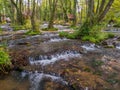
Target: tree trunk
x,y
64,10
52,12
19,11
74,13
33,17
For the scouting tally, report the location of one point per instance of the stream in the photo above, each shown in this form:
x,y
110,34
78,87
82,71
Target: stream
x,y
46,53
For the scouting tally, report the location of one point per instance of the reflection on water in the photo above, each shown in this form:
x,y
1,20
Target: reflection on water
x,y
15,81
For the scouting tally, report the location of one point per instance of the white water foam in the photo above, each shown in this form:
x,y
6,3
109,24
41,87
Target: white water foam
x,y
44,60
50,34
118,47
57,39
89,47
36,78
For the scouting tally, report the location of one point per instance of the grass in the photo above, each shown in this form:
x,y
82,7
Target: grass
x,y
18,27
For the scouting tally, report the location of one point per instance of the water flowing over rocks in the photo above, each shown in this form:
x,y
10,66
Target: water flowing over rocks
x,y
48,62
112,43
44,60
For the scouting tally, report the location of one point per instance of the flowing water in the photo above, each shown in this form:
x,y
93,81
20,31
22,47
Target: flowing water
x,y
44,60
35,80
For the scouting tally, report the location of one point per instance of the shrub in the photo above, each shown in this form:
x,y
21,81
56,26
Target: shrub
x,y
110,35
89,38
4,60
92,33
63,34
68,35
72,35
27,24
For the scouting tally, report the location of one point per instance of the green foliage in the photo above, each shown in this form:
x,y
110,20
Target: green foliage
x,y
0,30
110,35
18,27
92,33
37,26
4,60
68,35
89,38
49,29
117,23
114,13
27,24
72,35
63,34
31,32
74,27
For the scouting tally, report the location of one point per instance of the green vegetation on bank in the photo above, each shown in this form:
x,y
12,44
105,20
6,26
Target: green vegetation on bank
x,y
5,61
50,29
31,32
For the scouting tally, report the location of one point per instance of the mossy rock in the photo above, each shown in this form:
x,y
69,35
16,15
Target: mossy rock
x,y
49,29
31,32
109,46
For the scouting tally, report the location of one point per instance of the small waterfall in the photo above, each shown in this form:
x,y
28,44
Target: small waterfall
x,y
50,34
45,60
90,47
60,27
37,78
118,47
57,39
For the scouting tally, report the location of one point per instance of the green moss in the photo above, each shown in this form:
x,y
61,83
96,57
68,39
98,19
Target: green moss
x,y
18,27
89,38
110,35
87,69
110,46
71,36
49,29
28,24
31,32
63,34
74,27
68,35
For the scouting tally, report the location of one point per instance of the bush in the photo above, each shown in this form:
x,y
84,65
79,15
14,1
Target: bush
x,y
92,33
72,35
27,24
4,60
89,38
68,35
63,34
74,27
110,35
